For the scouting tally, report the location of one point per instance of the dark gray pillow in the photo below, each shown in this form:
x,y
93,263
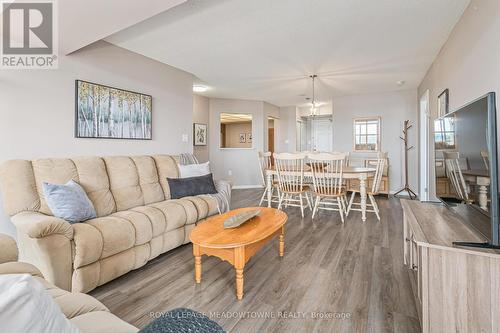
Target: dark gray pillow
x,y
187,187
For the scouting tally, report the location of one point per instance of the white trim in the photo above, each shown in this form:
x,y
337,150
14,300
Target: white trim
x,y
241,187
424,146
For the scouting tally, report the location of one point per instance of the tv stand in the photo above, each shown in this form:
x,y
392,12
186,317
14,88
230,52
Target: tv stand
x,y
478,245
455,288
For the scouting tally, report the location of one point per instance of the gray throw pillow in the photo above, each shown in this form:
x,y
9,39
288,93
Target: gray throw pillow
x,y
69,202
192,186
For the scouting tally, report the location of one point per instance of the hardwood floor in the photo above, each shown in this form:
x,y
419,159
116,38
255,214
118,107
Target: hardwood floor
x,y
351,274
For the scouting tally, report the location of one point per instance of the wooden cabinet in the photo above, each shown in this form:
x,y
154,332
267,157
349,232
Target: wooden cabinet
x,y
444,189
455,289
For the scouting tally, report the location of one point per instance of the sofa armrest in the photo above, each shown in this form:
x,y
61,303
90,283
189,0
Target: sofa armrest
x,y
8,249
37,225
19,268
46,242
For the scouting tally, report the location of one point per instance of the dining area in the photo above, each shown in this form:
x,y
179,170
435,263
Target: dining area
x,y
322,181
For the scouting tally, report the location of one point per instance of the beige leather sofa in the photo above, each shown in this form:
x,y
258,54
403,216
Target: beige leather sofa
x,y
84,311
137,220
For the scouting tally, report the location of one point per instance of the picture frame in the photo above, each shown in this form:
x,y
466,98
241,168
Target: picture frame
x,y
242,138
105,112
249,137
444,103
199,134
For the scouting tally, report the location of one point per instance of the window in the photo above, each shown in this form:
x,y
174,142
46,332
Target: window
x,y
367,134
444,133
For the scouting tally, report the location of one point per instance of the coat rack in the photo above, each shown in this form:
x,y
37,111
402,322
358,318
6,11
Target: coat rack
x,y
406,188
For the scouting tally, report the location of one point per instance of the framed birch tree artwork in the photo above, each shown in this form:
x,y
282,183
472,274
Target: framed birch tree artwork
x,y
111,113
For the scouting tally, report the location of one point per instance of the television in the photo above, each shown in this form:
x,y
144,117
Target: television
x,y
466,166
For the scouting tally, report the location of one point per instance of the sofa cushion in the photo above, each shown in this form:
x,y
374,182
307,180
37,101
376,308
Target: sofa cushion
x,y
17,182
148,179
56,171
205,205
93,177
175,215
117,234
156,218
76,304
167,168
102,322
124,182
141,223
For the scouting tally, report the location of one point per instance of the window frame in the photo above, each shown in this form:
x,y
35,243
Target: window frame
x,y
443,133
366,119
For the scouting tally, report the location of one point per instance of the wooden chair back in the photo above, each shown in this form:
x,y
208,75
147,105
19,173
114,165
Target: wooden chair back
x,y
454,174
327,172
486,159
290,169
265,162
379,172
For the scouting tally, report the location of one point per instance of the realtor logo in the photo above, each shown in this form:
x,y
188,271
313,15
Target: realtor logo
x,y
29,35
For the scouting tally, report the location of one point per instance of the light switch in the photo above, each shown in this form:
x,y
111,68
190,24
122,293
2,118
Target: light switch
x,y
185,138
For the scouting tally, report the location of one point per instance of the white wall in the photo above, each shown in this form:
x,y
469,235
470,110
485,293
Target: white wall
x,y
37,107
393,108
233,131
286,138
242,163
468,64
200,115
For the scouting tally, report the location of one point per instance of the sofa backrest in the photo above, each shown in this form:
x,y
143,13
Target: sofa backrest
x,y
112,183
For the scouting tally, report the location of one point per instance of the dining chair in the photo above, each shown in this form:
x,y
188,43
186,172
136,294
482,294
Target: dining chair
x,y
292,190
486,159
373,191
454,174
328,188
265,162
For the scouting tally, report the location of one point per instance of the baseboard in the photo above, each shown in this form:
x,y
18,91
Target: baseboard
x,y
241,187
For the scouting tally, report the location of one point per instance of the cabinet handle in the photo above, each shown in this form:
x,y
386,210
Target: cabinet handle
x,y
414,267
407,239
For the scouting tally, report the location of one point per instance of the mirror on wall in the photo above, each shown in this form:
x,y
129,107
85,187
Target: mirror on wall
x,y
235,130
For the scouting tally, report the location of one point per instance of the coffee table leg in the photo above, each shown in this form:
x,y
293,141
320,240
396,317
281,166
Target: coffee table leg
x,y
282,242
239,265
197,263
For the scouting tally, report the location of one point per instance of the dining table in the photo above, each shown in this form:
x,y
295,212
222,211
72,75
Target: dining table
x,y
348,172
482,178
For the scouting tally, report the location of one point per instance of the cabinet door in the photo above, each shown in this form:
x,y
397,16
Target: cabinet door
x,y
406,240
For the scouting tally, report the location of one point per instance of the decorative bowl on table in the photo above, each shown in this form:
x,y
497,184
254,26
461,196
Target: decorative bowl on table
x,y
238,219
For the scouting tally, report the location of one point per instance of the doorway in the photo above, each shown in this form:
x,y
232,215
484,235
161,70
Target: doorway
x,y
424,147
270,134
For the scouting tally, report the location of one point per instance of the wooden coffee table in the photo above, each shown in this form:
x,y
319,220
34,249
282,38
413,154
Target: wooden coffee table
x,y
237,245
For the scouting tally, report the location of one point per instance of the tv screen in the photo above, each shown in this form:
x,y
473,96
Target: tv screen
x,y
466,151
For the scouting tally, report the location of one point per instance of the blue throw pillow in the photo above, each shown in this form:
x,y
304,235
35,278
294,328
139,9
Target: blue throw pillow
x,y
69,202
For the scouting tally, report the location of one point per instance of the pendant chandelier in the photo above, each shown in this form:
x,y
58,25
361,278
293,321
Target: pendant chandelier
x,y
313,102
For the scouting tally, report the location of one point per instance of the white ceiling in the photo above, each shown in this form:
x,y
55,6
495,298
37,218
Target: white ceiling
x,y
265,49
83,22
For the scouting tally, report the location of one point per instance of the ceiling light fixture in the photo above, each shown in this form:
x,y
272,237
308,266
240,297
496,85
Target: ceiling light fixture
x,y
313,102
199,88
